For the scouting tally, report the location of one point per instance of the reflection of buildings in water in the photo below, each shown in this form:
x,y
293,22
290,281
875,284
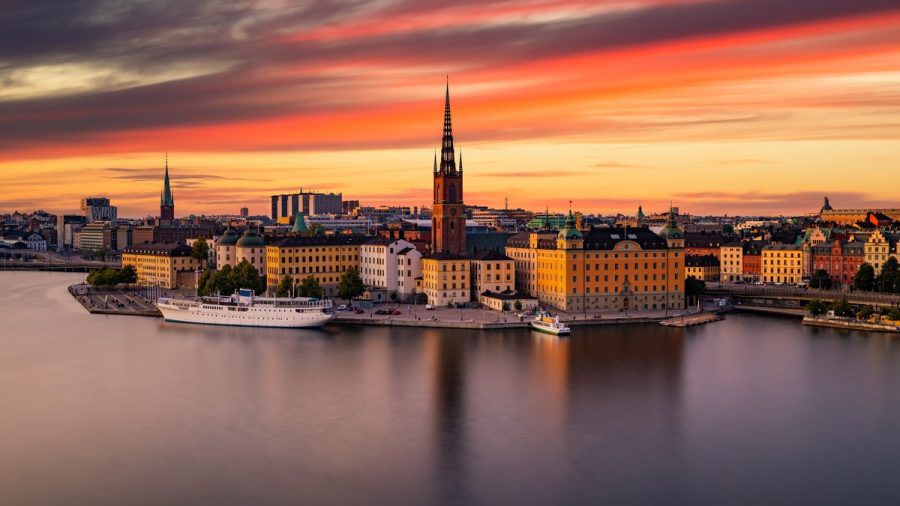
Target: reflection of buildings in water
x,y
448,354
624,385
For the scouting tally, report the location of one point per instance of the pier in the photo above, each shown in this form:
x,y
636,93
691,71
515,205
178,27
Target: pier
x,y
691,319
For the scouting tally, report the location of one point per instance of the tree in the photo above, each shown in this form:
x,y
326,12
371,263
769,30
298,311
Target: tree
x,y
200,250
246,276
518,305
694,288
284,286
820,279
865,277
128,275
310,287
817,307
203,283
894,314
351,285
888,279
108,277
843,308
864,313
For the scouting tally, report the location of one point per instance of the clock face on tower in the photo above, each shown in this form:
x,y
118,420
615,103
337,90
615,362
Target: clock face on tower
x,y
452,211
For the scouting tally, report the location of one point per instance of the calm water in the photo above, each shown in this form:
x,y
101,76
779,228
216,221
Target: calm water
x,y
105,410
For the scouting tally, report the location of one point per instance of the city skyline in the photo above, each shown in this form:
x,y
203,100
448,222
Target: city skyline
x,y
725,107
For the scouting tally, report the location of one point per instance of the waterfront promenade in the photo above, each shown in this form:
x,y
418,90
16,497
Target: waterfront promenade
x,y
418,316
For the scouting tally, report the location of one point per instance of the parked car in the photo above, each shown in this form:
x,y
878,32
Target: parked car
x,y
395,312
359,311
342,307
429,307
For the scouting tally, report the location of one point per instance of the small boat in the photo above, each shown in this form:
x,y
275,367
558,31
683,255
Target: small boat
x,y
543,322
246,310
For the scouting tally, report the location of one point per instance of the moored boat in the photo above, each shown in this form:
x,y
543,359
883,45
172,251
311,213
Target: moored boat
x,y
543,322
245,309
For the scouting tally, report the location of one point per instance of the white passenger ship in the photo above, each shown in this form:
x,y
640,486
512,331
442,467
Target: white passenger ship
x,y
245,309
543,322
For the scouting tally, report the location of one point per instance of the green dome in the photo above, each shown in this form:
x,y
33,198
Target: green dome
x,y
229,238
671,232
569,231
250,239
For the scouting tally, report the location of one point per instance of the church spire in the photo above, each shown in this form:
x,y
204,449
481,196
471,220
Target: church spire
x,y
167,199
448,164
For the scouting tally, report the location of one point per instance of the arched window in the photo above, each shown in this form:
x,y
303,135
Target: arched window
x,y
451,193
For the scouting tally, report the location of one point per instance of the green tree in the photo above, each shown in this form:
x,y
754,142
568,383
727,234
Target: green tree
x,y
518,305
310,287
128,275
888,279
284,286
820,279
894,314
864,313
200,250
864,278
843,308
350,285
817,307
203,284
693,288
223,281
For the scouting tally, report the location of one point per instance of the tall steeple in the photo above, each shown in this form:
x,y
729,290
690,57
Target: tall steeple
x,y
448,164
166,200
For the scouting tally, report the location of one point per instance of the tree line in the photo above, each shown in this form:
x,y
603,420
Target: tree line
x,y
109,277
844,309
227,280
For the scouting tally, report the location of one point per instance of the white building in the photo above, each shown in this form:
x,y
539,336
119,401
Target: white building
x,y
252,248
409,267
36,243
390,265
225,248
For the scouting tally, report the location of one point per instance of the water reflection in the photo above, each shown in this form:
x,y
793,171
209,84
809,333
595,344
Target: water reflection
x,y
118,410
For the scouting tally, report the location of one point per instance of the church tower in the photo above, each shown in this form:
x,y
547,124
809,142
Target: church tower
x,y
166,201
448,222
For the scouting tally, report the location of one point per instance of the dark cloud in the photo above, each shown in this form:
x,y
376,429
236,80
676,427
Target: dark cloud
x,y
239,41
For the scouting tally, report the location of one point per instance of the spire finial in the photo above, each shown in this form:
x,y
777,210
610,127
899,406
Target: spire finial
x,y
435,161
448,164
460,159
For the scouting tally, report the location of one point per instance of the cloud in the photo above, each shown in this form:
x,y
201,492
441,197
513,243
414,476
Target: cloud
x,y
256,61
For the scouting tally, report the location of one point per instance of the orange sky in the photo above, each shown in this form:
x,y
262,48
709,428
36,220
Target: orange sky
x,y
738,107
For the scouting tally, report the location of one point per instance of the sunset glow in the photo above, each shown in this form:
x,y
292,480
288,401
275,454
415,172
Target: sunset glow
x,y
747,107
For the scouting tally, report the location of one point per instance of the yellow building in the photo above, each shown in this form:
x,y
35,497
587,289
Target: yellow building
x,y
492,271
782,263
522,249
325,258
879,247
445,278
731,266
702,267
167,265
618,268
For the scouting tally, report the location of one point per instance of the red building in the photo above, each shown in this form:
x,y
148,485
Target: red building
x,y
448,222
751,261
840,259
703,243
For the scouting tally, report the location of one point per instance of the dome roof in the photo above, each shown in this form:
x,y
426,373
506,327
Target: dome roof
x,y
250,239
570,231
229,238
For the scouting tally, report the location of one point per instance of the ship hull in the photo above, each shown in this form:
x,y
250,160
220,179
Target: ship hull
x,y
283,318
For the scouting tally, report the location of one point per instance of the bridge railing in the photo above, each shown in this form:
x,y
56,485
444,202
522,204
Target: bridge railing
x,y
802,293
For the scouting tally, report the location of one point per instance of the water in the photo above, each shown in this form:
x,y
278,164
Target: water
x,y
107,410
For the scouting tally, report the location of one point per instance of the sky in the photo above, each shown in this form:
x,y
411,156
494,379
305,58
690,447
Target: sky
x,y
720,106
